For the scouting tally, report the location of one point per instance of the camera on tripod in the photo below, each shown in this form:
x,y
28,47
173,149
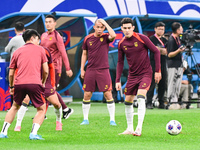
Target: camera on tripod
x,y
189,37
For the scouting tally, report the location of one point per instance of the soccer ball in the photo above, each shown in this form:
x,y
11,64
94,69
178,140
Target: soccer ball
x,y
173,127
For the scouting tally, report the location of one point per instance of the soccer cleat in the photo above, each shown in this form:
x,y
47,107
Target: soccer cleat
x,y
58,126
85,122
17,128
112,123
137,132
67,113
35,137
126,132
3,136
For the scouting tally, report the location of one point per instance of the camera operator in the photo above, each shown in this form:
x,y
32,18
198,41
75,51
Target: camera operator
x,y
160,42
175,69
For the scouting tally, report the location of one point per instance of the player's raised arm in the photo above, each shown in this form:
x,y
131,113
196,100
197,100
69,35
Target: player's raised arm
x,y
111,32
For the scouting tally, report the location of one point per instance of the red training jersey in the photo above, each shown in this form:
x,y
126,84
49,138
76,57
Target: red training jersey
x,y
136,50
97,48
54,42
28,59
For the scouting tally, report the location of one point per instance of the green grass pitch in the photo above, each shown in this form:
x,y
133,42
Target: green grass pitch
x,y
99,135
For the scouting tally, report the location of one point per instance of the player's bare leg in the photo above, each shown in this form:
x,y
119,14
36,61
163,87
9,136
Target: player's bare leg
x,y
129,114
111,106
53,99
86,106
9,119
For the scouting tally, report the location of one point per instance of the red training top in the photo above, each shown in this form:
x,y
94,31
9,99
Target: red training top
x,y
54,42
136,50
28,59
97,48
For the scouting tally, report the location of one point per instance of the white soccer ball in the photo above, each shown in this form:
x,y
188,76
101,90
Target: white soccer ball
x,y
173,127
156,103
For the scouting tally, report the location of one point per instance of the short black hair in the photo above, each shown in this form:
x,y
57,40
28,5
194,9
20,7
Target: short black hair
x,y
19,26
29,33
127,20
51,16
175,26
159,24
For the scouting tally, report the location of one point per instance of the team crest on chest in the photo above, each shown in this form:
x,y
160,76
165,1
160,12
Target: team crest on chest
x,y
136,44
90,43
125,48
101,39
50,38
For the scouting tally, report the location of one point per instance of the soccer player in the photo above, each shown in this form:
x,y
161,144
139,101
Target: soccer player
x,y
175,67
29,60
135,46
54,42
95,49
160,42
50,95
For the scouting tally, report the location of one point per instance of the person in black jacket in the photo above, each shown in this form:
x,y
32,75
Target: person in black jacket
x,y
160,42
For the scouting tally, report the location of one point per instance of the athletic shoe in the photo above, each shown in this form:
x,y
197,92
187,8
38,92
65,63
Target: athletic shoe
x,y
67,113
137,132
17,128
174,107
112,123
149,106
35,137
3,136
126,132
85,122
58,126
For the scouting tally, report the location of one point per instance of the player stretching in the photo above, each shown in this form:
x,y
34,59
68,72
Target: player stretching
x,y
29,60
135,47
54,42
95,48
50,95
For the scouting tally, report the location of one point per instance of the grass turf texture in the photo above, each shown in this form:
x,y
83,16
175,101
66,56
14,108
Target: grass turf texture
x,y
100,135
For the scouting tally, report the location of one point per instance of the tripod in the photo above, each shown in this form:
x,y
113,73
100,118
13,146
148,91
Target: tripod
x,y
190,54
